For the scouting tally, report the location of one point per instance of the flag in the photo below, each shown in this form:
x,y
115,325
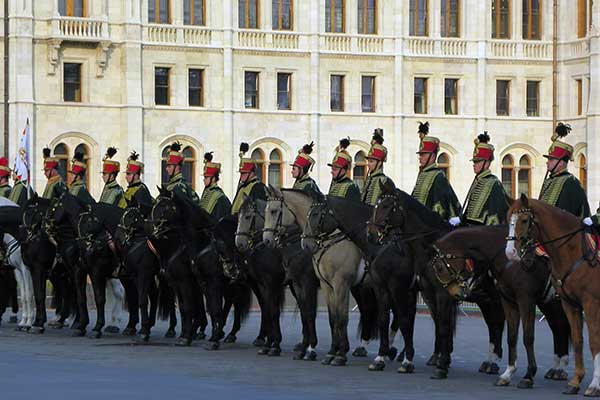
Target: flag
x,y
22,158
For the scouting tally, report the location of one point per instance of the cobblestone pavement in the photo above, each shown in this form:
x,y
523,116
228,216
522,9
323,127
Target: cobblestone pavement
x,y
57,366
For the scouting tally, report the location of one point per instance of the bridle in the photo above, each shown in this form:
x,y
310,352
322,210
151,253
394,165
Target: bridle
x,y
454,276
253,234
161,226
129,227
386,227
90,240
280,232
321,238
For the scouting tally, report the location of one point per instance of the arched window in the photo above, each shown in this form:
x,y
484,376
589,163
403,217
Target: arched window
x,y
508,175
583,171
188,169
443,162
359,172
82,148
61,151
259,156
275,167
164,177
525,176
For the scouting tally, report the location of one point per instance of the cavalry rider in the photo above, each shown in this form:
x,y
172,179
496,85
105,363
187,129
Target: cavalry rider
x,y
176,183
560,188
5,188
213,199
55,187
18,195
248,185
136,189
301,168
112,192
487,201
341,184
375,159
77,186
432,188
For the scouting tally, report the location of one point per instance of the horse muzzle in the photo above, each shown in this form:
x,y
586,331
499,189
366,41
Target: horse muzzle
x,y
511,251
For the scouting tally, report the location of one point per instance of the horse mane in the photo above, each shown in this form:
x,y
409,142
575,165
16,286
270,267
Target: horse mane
x,y
225,230
109,215
428,217
350,214
198,217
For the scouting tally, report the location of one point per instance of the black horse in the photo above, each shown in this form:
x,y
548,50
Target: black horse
x,y
399,214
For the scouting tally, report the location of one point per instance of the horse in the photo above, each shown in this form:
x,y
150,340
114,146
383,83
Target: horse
x,y
574,271
176,234
296,263
399,214
465,255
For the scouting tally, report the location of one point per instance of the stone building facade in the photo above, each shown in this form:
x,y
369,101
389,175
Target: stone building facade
x,y
138,74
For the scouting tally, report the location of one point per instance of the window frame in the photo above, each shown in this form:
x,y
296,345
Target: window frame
x,y
444,166
497,20
278,163
453,100
69,6
86,160
360,164
79,93
527,20
261,164
582,17
257,90
280,15
168,87
289,90
413,29
365,17
579,93
247,14
425,95
508,82
373,93
537,98
62,158
342,92
528,169
445,22
332,9
157,12
509,167
192,13
583,171
201,88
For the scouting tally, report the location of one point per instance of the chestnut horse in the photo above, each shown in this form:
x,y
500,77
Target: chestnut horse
x,y
574,269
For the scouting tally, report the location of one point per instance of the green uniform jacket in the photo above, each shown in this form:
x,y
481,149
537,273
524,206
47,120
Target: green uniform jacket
x,y
180,187
5,190
434,191
18,195
215,202
564,191
307,185
596,218
487,201
55,187
346,189
111,194
372,190
79,190
141,194
253,188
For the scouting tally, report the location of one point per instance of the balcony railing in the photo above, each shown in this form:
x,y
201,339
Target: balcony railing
x,y
80,29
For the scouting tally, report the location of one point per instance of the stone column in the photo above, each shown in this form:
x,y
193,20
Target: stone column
x,y
230,139
593,120
483,9
315,106
398,148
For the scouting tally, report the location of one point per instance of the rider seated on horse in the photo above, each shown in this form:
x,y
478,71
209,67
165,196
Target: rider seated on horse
x,y
213,200
341,184
248,185
301,168
112,191
177,184
377,156
55,187
77,185
136,191
432,188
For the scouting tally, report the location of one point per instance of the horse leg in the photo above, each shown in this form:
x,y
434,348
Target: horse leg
x,y
361,296
214,303
99,286
129,291
576,323
116,293
383,319
200,319
593,323
559,325
527,311
328,292
447,309
21,290
39,292
187,309
407,311
493,316
275,296
310,295
428,294
261,339
513,319
29,299
340,306
297,291
147,298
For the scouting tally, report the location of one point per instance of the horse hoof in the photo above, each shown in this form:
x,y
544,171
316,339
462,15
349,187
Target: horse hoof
x,y
170,334
571,390
310,356
36,330
200,336
328,359
12,320
299,356
274,352
433,360
377,366
525,383
439,374
258,342
338,361
592,392
56,325
492,369
95,335
145,338
392,353
502,382
360,352
560,375
263,351
231,338
549,374
19,329
298,347
212,346
406,368
78,333
183,342
483,368
129,331
112,329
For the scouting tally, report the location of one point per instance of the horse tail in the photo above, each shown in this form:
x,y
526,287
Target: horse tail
x,y
368,325
243,301
166,299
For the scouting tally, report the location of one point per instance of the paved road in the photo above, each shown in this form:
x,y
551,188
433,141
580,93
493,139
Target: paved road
x,y
56,366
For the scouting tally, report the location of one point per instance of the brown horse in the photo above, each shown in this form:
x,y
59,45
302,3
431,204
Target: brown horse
x,y
465,255
574,272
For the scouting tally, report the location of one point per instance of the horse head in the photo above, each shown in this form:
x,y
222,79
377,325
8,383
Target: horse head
x,y
521,221
320,224
131,223
250,224
454,268
165,215
279,218
388,213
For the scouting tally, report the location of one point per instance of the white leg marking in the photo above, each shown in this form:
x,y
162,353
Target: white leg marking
x,y
596,381
511,251
510,370
379,359
364,343
563,362
310,348
392,336
406,361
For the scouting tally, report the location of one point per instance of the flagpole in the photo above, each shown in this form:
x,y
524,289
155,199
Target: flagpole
x,y
6,84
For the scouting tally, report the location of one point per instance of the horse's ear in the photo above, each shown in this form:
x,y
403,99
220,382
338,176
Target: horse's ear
x,y
524,200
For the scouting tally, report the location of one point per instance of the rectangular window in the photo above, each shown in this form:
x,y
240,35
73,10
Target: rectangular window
x,y
418,18
337,92
284,91
500,19
251,85
450,18
193,12
533,99
72,82
159,11
196,87
162,95
502,97
248,14
72,8
367,17
334,16
581,18
420,95
451,96
532,19
282,15
368,94
579,96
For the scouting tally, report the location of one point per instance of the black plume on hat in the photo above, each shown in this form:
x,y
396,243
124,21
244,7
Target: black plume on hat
x,y
484,137
134,156
176,146
79,155
110,152
561,130
46,152
344,143
377,136
244,147
208,156
307,148
424,128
